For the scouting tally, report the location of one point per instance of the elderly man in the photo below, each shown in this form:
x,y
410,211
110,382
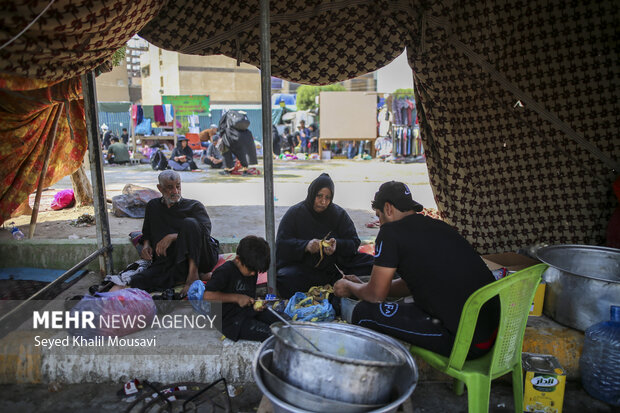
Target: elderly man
x,y
177,237
437,266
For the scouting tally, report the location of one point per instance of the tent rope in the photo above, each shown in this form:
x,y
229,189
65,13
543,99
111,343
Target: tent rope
x,y
28,26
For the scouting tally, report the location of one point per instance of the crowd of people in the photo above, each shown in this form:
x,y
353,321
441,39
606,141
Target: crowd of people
x,y
317,244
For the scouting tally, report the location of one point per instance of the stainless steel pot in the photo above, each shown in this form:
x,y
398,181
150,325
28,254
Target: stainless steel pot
x,y
407,379
355,364
582,283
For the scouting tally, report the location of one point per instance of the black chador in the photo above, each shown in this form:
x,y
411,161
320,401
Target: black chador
x,y
297,269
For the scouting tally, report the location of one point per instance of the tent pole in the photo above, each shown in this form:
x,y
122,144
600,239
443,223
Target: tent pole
x,y
265,76
96,172
51,138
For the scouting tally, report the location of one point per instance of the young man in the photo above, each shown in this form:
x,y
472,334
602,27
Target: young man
x,y
176,237
117,152
234,284
437,266
125,136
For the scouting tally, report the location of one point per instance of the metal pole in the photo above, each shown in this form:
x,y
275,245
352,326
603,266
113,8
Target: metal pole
x,y
41,293
265,77
96,172
51,138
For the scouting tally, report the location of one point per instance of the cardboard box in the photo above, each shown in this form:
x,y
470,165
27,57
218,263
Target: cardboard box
x,y
510,260
516,262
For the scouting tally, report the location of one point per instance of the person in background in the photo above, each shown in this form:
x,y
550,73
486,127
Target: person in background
x,y
290,140
181,158
314,138
304,136
117,152
213,156
106,136
277,140
125,136
234,285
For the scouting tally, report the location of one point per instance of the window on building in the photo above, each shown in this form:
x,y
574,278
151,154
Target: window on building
x,y
146,71
161,81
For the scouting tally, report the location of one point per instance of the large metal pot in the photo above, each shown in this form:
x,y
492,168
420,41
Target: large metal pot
x,y
582,283
355,364
288,400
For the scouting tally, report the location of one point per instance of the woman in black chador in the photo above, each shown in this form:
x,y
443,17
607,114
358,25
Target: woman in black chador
x,y
314,236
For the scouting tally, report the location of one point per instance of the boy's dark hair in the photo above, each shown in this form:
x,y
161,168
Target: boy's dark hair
x,y
124,129
114,139
253,252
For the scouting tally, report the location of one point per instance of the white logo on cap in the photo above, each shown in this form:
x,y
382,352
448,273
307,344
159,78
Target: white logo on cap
x,y
407,191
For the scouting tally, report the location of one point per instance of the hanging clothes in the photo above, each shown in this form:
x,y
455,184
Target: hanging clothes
x,y
158,112
168,113
140,115
148,111
134,114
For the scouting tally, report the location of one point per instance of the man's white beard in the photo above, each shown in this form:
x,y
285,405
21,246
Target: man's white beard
x,y
170,202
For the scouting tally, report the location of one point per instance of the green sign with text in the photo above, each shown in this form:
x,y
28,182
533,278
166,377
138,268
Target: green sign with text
x,y
188,104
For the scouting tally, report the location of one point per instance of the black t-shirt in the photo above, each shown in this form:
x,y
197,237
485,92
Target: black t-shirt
x,y
159,220
228,279
440,268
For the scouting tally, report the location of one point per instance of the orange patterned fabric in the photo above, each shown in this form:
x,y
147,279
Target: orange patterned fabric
x,y
26,118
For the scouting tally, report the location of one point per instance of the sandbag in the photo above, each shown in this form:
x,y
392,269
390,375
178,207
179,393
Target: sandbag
x,y
134,307
132,203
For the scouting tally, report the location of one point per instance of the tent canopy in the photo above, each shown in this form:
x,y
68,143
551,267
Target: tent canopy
x,y
517,100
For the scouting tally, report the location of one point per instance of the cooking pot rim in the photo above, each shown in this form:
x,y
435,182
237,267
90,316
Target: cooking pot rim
x,y
363,334
540,254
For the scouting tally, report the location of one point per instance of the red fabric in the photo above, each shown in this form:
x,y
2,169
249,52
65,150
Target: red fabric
x,y
26,117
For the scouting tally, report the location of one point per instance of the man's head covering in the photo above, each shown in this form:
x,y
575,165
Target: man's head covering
x,y
215,137
104,127
182,138
323,181
397,194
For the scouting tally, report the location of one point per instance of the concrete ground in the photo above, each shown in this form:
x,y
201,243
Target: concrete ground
x,y
236,203
435,397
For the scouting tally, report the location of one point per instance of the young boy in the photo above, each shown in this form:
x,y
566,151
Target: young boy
x,y
234,285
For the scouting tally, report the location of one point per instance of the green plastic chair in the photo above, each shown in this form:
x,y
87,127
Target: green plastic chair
x,y
516,293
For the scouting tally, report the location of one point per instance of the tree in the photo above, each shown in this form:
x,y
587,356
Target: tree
x,y
306,95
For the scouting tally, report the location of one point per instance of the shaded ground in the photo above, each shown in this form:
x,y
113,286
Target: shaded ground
x,y
235,203
427,397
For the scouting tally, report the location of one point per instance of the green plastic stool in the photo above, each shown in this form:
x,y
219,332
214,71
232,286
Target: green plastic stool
x,y
516,293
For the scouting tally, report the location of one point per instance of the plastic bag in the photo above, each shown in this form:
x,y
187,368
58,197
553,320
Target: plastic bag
x,y
319,312
63,199
117,313
195,296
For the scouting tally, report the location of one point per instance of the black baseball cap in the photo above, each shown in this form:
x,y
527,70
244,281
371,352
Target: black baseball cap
x,y
397,194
